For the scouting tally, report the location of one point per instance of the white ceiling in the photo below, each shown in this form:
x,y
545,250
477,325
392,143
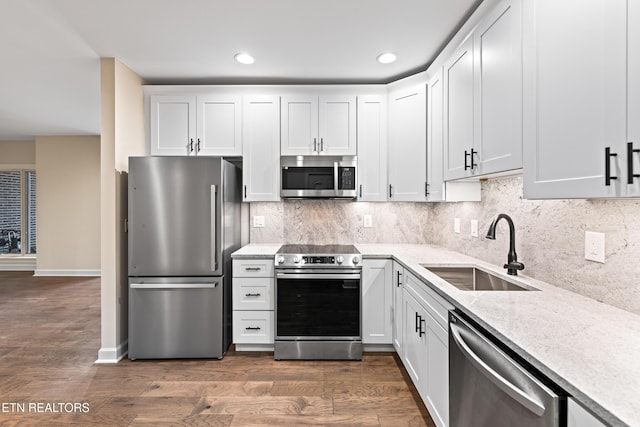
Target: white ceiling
x,y
50,49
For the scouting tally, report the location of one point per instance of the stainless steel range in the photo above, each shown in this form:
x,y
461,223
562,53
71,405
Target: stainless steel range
x,y
318,305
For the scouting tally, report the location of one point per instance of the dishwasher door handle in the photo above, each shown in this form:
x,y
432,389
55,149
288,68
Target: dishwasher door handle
x,y
498,380
173,285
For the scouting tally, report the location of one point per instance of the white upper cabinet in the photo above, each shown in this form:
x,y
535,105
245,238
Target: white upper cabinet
x,y
172,125
219,125
407,143
498,88
435,138
576,84
190,125
460,157
261,148
633,98
318,125
372,148
483,97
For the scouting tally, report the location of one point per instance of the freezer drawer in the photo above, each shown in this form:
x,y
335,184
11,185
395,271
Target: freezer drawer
x,y
176,318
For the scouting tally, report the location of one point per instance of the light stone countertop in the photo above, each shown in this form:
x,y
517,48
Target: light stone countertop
x,y
257,250
590,349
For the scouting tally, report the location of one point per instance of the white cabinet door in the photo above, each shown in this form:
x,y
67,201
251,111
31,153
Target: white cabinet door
x,y
460,157
577,416
261,148
219,125
299,125
398,303
575,97
407,144
633,96
173,125
498,89
372,148
337,125
376,301
437,372
414,344
435,138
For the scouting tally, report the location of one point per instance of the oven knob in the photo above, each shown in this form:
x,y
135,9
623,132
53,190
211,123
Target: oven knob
x,y
355,260
296,259
340,259
280,259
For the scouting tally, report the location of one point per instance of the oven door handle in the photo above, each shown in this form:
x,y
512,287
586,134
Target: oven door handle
x,y
345,276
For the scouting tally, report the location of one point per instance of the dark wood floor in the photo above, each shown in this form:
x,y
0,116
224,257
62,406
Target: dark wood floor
x,y
49,340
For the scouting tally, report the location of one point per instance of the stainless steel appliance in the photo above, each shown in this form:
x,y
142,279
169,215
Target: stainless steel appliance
x,y
318,177
183,225
318,304
489,388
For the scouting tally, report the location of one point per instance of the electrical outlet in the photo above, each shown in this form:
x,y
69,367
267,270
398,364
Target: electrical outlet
x,y
258,221
456,225
594,246
474,228
367,221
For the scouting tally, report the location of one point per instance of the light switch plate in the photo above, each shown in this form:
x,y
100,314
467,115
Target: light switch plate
x,y
258,221
474,228
367,221
594,246
456,225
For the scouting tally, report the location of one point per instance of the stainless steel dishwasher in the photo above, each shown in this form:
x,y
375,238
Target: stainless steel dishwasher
x,y
489,388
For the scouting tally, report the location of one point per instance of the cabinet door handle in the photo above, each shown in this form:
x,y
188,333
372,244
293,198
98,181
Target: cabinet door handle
x,y
315,145
630,152
422,332
360,191
418,320
390,191
245,191
426,189
198,146
398,274
471,155
466,165
190,144
607,166
321,144
252,328
252,295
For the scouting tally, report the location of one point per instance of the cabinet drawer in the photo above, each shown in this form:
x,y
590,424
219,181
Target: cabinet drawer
x,y
253,327
253,267
437,306
253,293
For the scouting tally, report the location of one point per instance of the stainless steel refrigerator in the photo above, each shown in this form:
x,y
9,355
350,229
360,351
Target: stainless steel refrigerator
x,y
183,225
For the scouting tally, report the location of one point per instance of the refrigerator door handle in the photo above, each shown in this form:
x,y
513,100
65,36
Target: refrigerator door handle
x,y
173,285
214,240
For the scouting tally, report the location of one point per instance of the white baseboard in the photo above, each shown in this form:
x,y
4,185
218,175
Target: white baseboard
x,y
383,348
72,273
254,347
113,354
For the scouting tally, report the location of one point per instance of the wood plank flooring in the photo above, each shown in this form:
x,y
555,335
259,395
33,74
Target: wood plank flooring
x,y
49,340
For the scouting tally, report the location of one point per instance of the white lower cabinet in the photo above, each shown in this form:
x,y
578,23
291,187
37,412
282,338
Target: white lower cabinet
x,y
397,319
426,346
253,304
376,301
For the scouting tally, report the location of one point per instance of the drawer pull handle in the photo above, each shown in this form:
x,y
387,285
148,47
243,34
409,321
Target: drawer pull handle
x,y
252,328
251,295
252,269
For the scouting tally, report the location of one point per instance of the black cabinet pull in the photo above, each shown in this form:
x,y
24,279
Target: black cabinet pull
x,y
630,152
190,144
422,332
470,165
360,191
245,191
390,191
418,320
252,328
607,166
251,295
198,146
398,283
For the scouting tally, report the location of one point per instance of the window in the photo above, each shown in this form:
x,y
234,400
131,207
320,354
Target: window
x,y
17,212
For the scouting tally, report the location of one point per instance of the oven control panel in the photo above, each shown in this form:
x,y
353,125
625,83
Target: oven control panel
x,y
302,261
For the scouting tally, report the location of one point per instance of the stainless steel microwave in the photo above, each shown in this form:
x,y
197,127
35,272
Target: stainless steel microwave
x,y
329,177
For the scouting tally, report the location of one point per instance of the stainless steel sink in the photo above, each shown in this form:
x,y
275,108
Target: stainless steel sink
x,y
474,279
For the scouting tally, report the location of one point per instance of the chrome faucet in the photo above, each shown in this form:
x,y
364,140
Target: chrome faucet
x,y
512,264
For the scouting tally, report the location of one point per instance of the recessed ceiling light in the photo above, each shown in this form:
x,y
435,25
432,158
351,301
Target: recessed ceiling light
x,y
386,58
244,58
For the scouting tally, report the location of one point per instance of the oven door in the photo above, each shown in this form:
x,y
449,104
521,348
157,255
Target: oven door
x,y
317,305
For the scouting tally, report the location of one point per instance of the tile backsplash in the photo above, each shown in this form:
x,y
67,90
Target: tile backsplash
x,y
549,234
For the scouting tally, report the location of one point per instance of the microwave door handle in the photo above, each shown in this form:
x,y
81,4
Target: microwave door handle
x,y
498,380
335,178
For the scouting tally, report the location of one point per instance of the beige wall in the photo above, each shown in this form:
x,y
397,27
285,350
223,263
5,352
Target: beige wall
x,y
122,135
68,204
17,153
